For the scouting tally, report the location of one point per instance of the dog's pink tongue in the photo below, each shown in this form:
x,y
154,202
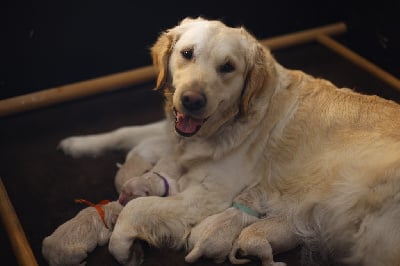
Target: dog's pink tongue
x,y
187,124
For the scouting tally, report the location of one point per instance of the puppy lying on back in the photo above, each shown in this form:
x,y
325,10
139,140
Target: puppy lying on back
x,y
147,171
141,159
71,242
159,181
134,166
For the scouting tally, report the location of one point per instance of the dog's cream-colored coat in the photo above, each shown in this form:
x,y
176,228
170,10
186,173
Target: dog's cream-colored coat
x,y
329,158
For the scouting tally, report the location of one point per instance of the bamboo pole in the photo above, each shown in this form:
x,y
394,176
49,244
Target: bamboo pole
x,y
76,90
304,36
359,61
19,242
137,76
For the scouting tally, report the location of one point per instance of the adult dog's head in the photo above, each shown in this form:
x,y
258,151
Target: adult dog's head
x,y
210,73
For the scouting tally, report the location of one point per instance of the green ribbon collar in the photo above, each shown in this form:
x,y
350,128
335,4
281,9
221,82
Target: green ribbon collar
x,y
246,209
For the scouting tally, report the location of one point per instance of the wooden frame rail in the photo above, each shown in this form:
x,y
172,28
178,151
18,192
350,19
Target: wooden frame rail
x,y
140,75
16,234
137,76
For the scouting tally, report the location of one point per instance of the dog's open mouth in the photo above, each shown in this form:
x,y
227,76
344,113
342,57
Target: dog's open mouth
x,y
187,125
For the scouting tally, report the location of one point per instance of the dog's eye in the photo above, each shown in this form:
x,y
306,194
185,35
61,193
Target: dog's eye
x,y
187,53
226,68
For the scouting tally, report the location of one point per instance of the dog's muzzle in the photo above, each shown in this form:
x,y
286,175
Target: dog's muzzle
x,y
188,122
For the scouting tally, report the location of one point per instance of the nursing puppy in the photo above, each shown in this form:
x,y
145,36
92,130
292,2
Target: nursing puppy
x,y
71,242
330,157
256,240
214,236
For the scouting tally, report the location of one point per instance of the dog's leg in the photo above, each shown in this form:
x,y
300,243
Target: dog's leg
x,y
124,138
161,221
152,148
263,239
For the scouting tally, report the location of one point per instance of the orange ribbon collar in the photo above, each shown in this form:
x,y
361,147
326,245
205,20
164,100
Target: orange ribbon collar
x,y
98,207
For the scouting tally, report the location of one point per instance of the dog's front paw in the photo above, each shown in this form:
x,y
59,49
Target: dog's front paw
x,y
78,146
126,250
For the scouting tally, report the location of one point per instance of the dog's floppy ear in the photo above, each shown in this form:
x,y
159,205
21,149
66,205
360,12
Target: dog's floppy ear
x,y
256,78
162,49
160,53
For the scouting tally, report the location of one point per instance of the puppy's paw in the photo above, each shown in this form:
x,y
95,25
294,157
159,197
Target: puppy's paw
x,y
259,248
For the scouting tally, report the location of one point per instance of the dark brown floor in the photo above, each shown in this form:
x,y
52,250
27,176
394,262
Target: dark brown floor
x,y
42,182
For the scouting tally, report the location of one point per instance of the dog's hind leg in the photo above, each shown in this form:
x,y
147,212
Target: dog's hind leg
x,y
124,138
262,239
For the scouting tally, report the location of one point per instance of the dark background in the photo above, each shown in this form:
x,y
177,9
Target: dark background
x,y
50,43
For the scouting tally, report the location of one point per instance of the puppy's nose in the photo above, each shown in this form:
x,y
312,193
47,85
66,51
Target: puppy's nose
x,y
193,101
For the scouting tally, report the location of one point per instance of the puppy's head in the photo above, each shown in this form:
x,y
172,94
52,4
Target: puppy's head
x,y
210,74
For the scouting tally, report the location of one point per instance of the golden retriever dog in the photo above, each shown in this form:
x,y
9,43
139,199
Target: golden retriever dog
x,y
329,158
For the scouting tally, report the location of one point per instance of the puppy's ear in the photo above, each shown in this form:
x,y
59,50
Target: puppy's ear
x,y
160,53
256,78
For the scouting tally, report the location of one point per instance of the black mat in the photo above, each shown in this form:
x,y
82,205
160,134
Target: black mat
x,y
42,182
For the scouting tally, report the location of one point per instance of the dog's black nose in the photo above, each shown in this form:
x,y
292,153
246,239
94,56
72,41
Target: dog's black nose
x,y
193,101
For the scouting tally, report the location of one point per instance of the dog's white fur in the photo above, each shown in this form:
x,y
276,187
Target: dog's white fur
x,y
330,157
71,242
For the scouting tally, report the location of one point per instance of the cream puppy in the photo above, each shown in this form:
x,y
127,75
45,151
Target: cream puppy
x,y
141,158
263,239
214,236
71,242
161,181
